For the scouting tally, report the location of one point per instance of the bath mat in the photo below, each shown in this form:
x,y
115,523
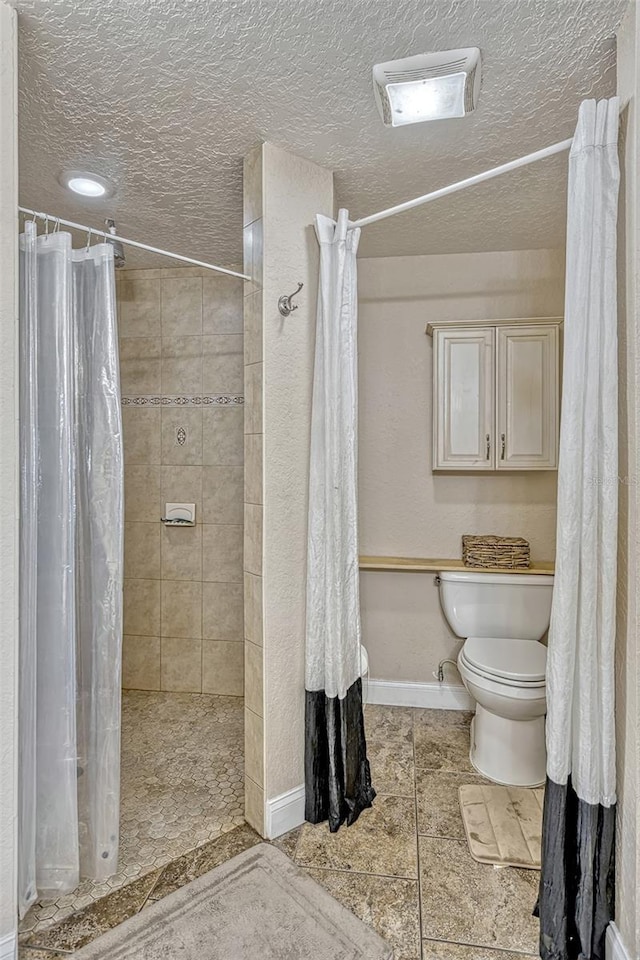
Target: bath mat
x,y
503,824
257,906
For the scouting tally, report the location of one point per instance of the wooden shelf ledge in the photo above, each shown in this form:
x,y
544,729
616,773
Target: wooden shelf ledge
x,y
433,565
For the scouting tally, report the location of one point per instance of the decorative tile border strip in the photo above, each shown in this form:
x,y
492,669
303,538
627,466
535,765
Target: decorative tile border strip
x,y
222,400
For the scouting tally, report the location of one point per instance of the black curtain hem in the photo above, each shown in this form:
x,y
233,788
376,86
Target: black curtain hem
x,y
337,773
576,899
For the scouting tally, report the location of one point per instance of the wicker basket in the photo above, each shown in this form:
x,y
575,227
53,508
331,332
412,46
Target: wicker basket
x,y
505,553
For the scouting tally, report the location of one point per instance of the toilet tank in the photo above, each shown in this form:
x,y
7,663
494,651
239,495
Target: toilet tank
x,y
513,605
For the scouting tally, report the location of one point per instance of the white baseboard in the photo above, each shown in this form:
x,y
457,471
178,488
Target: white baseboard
x,y
284,813
9,946
615,948
401,693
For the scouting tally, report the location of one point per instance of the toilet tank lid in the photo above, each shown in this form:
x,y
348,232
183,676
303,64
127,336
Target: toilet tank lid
x,y
479,576
524,660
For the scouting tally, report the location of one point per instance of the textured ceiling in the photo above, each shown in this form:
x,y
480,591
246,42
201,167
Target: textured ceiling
x,y
164,97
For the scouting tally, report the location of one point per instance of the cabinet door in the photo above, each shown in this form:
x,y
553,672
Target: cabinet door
x,y
463,399
528,398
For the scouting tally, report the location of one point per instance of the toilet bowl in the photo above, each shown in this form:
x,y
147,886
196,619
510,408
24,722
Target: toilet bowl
x,y
364,672
502,665
364,662
506,678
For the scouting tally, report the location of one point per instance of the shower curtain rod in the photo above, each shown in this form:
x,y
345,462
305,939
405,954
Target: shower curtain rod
x,y
132,243
463,184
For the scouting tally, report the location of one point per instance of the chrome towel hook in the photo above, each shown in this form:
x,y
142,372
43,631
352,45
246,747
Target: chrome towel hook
x,y
284,303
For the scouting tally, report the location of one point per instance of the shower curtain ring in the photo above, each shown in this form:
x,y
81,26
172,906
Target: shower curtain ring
x,y
56,229
89,239
46,227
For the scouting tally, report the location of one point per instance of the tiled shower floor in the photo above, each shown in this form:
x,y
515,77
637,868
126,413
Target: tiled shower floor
x,y
182,784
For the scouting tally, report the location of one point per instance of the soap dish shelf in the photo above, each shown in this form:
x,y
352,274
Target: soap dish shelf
x,y
179,514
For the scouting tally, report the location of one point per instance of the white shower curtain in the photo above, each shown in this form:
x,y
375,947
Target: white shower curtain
x,y
576,893
70,566
338,779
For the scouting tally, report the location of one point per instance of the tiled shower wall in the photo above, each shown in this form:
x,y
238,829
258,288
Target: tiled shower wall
x,y
181,362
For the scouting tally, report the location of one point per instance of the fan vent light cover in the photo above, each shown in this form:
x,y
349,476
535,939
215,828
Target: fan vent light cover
x,y
429,86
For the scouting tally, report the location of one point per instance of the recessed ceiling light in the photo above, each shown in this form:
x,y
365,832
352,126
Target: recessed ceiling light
x,y
430,86
85,184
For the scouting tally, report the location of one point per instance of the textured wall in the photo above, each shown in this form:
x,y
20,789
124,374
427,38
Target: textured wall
x,y
182,384
8,476
627,665
405,509
282,195
295,191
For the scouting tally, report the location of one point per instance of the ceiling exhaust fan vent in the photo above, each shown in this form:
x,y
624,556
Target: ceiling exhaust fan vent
x,y
429,86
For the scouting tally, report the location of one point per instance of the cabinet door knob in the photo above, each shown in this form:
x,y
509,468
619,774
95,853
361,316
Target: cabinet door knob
x,y
488,446
503,440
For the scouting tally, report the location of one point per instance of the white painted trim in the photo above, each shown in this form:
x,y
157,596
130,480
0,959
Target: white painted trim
x,y
504,322
401,693
284,813
615,948
9,946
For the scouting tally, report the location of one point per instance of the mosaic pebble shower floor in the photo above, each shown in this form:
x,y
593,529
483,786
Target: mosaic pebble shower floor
x,y
182,785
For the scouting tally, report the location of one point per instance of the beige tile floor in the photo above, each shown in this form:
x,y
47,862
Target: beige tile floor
x,y
403,867
182,785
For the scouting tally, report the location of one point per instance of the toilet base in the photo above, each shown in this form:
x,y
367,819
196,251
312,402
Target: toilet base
x,y
510,752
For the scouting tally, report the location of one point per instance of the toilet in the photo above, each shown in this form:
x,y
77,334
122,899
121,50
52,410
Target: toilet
x,y
502,664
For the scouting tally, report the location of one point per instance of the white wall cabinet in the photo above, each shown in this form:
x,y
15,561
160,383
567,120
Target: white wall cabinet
x,y
496,394
464,406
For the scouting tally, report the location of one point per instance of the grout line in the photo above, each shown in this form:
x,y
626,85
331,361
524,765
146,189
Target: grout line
x,y
161,299
202,572
441,836
161,872
56,950
464,773
395,796
482,946
295,847
415,797
355,873
160,625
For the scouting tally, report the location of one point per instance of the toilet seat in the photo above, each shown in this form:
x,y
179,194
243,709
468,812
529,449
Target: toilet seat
x,y
506,688
513,662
